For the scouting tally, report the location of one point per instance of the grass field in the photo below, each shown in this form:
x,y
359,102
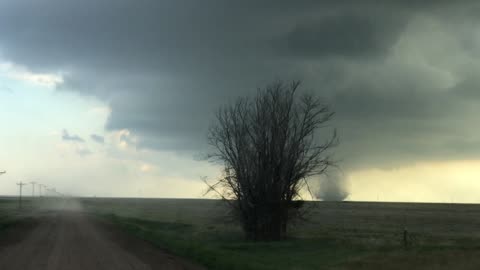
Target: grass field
x,y
11,214
346,235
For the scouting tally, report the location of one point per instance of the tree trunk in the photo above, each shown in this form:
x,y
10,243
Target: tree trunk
x,y
268,224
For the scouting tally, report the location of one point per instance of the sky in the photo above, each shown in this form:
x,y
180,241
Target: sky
x,y
114,97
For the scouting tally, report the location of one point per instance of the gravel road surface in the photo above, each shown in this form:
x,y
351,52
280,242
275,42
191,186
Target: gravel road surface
x,y
67,240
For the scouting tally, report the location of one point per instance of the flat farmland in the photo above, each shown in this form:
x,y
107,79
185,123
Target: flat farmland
x,y
333,235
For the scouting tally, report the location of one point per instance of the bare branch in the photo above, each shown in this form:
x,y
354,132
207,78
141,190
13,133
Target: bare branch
x,y
268,145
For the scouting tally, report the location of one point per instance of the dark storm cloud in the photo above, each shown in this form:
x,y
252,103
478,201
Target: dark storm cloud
x,y
6,89
347,35
163,67
83,152
73,138
394,129
97,138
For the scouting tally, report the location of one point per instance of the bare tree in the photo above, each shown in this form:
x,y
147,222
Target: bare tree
x,y
268,146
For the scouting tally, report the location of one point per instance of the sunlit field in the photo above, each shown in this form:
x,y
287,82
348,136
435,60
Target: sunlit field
x,y
343,235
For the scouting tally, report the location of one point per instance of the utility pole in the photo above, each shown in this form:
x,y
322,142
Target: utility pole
x,y
50,192
20,185
33,189
45,190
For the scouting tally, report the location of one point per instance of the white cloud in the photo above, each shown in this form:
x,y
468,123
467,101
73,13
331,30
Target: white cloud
x,y
124,139
18,72
102,111
146,168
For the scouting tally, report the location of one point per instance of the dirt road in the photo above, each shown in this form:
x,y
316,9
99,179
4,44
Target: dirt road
x,y
66,240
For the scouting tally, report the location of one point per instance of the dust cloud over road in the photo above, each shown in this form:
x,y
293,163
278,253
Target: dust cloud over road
x,y
73,240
